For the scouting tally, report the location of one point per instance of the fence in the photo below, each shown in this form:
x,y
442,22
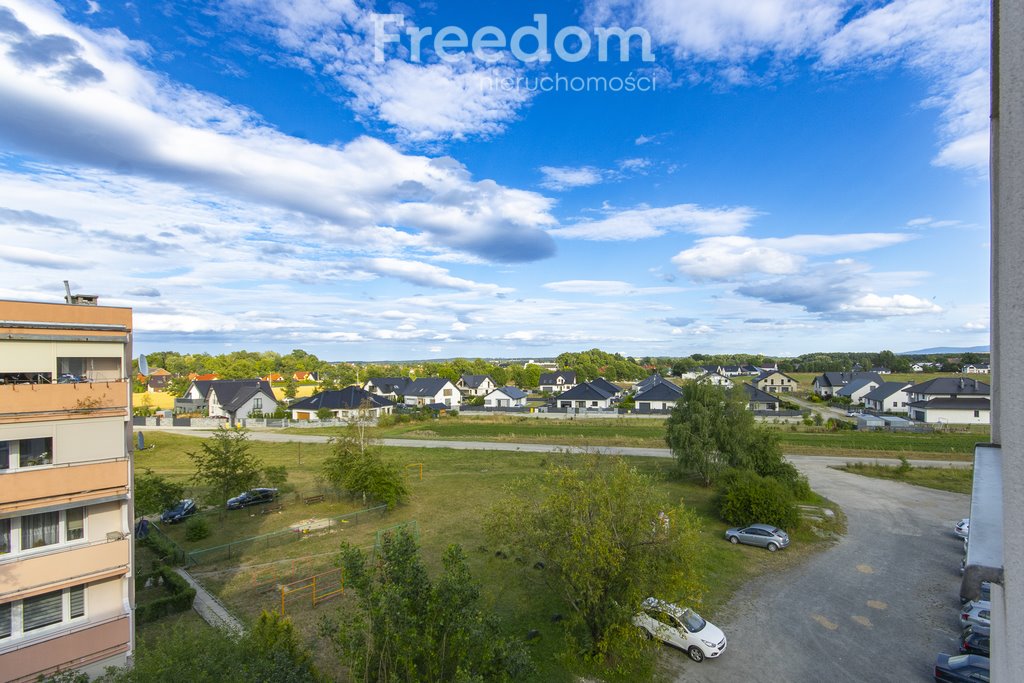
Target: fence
x,y
163,545
235,549
320,586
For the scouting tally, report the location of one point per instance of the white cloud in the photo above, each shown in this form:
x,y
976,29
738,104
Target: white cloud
x,y
427,275
93,7
635,165
607,288
567,177
873,305
645,222
129,118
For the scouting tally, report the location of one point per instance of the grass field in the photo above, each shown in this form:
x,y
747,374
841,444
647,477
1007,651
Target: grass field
x,y
448,506
651,434
955,479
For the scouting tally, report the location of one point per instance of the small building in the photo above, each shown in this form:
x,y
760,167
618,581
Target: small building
x,y
476,385
585,396
158,379
827,384
775,382
349,403
602,383
390,387
557,382
857,390
716,379
433,391
889,397
658,396
234,399
950,400
976,369
758,400
506,397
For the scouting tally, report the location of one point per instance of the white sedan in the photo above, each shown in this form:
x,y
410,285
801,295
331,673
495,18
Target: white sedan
x,y
962,528
682,628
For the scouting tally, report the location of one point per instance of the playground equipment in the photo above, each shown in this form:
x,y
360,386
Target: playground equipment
x,y
415,464
320,587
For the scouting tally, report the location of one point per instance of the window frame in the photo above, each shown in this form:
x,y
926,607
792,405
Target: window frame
x,y
17,615
15,549
14,454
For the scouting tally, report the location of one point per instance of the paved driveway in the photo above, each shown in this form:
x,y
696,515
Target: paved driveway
x,y
878,606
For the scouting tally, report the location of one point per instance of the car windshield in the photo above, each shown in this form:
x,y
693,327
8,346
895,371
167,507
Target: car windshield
x,y
692,621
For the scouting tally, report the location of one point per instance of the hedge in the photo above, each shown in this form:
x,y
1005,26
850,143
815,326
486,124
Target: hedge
x,y
179,598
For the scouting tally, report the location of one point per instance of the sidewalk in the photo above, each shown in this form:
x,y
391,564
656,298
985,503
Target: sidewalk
x,y
209,608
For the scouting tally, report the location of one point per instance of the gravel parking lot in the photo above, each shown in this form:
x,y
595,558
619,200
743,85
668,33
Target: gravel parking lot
x,y
877,606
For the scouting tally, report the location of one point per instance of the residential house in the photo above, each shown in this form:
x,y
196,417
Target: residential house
x,y
602,383
350,403
158,379
647,382
67,579
585,396
658,396
476,385
858,389
881,370
506,397
953,400
775,382
758,400
306,376
557,382
919,367
208,377
390,387
433,392
889,397
827,384
716,379
976,369
234,399
273,377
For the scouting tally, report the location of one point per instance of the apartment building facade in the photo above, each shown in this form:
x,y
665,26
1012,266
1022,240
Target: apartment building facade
x,y
66,516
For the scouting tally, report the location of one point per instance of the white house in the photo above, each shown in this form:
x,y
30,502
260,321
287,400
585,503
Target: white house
x,y
476,385
391,387
858,389
557,382
235,399
950,400
890,397
716,379
775,382
505,397
978,369
585,396
657,396
345,404
433,391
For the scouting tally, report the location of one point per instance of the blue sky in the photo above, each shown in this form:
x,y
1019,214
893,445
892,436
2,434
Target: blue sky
x,y
785,176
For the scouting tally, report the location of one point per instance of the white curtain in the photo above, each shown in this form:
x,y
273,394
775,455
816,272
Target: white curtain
x,y
40,530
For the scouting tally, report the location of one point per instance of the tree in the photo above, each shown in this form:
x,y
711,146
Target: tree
x,y
153,493
178,386
407,628
608,539
225,464
357,466
291,388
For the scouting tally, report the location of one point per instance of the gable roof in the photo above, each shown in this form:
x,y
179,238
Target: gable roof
x,y
390,385
756,395
158,371
514,393
855,386
647,382
951,385
585,392
660,391
348,398
474,381
568,376
233,393
841,379
209,377
602,383
885,390
768,373
973,403
426,386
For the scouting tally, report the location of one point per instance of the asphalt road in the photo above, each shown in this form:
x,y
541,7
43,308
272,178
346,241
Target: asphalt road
x,y
877,606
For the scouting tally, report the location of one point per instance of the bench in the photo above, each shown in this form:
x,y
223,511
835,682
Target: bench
x,y
314,499
267,509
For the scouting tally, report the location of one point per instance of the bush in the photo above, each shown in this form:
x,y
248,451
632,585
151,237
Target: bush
x,y
748,498
197,529
179,598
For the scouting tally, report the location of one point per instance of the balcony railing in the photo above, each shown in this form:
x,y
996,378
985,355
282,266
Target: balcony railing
x,y
31,487
63,566
985,539
75,647
28,402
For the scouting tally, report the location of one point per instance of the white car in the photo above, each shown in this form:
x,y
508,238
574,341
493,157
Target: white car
x,y
977,613
962,527
682,628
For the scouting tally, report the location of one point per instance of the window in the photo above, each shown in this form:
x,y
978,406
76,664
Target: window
x,y
21,534
42,610
257,404
77,600
5,536
40,530
74,524
5,620
26,453
23,617
5,455
977,413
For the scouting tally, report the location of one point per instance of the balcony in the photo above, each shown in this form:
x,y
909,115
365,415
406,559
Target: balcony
x,y
28,575
985,549
35,402
75,648
24,489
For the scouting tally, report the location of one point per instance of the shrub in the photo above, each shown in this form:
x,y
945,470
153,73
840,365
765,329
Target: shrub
x,y
748,498
197,529
179,598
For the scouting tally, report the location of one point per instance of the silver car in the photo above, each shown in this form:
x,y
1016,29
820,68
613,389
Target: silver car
x,y
764,535
976,613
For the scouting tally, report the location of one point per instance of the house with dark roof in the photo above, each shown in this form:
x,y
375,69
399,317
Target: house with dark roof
x,y
889,397
350,403
658,396
506,397
391,387
602,383
857,389
950,400
475,385
433,392
557,382
716,379
234,399
971,369
158,379
585,396
775,382
647,382
760,400
828,383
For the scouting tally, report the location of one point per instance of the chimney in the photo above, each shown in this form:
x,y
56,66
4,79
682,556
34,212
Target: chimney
x,y
79,299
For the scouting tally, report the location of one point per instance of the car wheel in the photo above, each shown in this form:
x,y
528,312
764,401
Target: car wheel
x,y
772,547
696,654
733,539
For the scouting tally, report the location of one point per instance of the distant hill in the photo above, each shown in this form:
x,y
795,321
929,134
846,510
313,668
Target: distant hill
x,y
946,349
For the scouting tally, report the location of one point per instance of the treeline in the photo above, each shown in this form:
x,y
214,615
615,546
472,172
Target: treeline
x,y
818,362
596,363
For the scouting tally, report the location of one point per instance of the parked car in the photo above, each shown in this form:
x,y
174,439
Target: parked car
x,y
764,535
71,379
962,527
986,591
972,668
682,628
976,613
252,497
184,509
974,641
852,413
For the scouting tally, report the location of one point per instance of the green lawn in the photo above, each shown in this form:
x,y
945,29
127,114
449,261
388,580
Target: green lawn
x,y
955,479
448,506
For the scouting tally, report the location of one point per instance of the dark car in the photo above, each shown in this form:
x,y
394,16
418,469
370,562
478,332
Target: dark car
x,y
974,641
184,509
252,497
972,668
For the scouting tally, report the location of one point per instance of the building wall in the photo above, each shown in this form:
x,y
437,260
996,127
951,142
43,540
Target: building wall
x,y
960,417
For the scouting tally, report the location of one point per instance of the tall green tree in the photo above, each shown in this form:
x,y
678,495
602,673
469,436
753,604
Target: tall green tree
x,y
608,539
226,464
406,628
356,464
